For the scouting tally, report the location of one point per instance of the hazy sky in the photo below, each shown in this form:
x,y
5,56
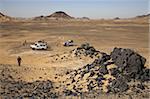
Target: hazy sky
x,y
75,8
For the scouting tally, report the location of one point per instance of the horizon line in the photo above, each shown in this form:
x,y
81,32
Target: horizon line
x,y
75,17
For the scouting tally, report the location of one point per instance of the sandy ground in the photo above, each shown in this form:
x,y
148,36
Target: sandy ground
x,y
104,35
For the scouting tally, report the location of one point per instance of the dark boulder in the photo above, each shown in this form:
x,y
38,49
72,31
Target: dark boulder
x,y
69,92
145,75
102,60
114,72
118,85
103,70
129,62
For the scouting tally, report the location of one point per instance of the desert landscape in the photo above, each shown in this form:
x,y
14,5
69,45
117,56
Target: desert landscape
x,y
53,68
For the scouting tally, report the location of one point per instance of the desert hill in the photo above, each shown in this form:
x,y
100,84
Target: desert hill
x,y
55,15
4,18
60,14
40,18
143,16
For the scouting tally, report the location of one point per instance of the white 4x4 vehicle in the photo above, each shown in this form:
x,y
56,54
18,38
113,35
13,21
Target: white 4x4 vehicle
x,y
68,43
40,45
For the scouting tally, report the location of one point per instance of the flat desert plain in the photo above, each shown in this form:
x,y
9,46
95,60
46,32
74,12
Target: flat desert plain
x,y
104,35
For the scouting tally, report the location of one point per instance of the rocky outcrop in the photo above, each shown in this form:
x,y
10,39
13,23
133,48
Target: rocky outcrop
x,y
86,50
109,73
143,16
57,15
4,18
122,72
60,14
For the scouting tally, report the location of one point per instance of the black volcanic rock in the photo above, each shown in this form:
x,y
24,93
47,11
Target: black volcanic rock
x,y
18,89
86,50
118,85
1,14
60,14
142,16
118,69
56,15
128,61
119,72
4,18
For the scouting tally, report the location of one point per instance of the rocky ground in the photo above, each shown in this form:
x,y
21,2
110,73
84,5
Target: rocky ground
x,y
120,74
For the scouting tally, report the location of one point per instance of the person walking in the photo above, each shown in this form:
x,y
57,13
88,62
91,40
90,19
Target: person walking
x,y
19,60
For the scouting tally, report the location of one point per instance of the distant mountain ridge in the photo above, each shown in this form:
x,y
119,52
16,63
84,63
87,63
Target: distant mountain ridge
x,y
58,15
142,16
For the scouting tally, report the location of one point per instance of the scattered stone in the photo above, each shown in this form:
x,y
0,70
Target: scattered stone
x,y
55,77
69,92
110,73
114,73
21,89
103,70
40,77
86,50
141,86
118,85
